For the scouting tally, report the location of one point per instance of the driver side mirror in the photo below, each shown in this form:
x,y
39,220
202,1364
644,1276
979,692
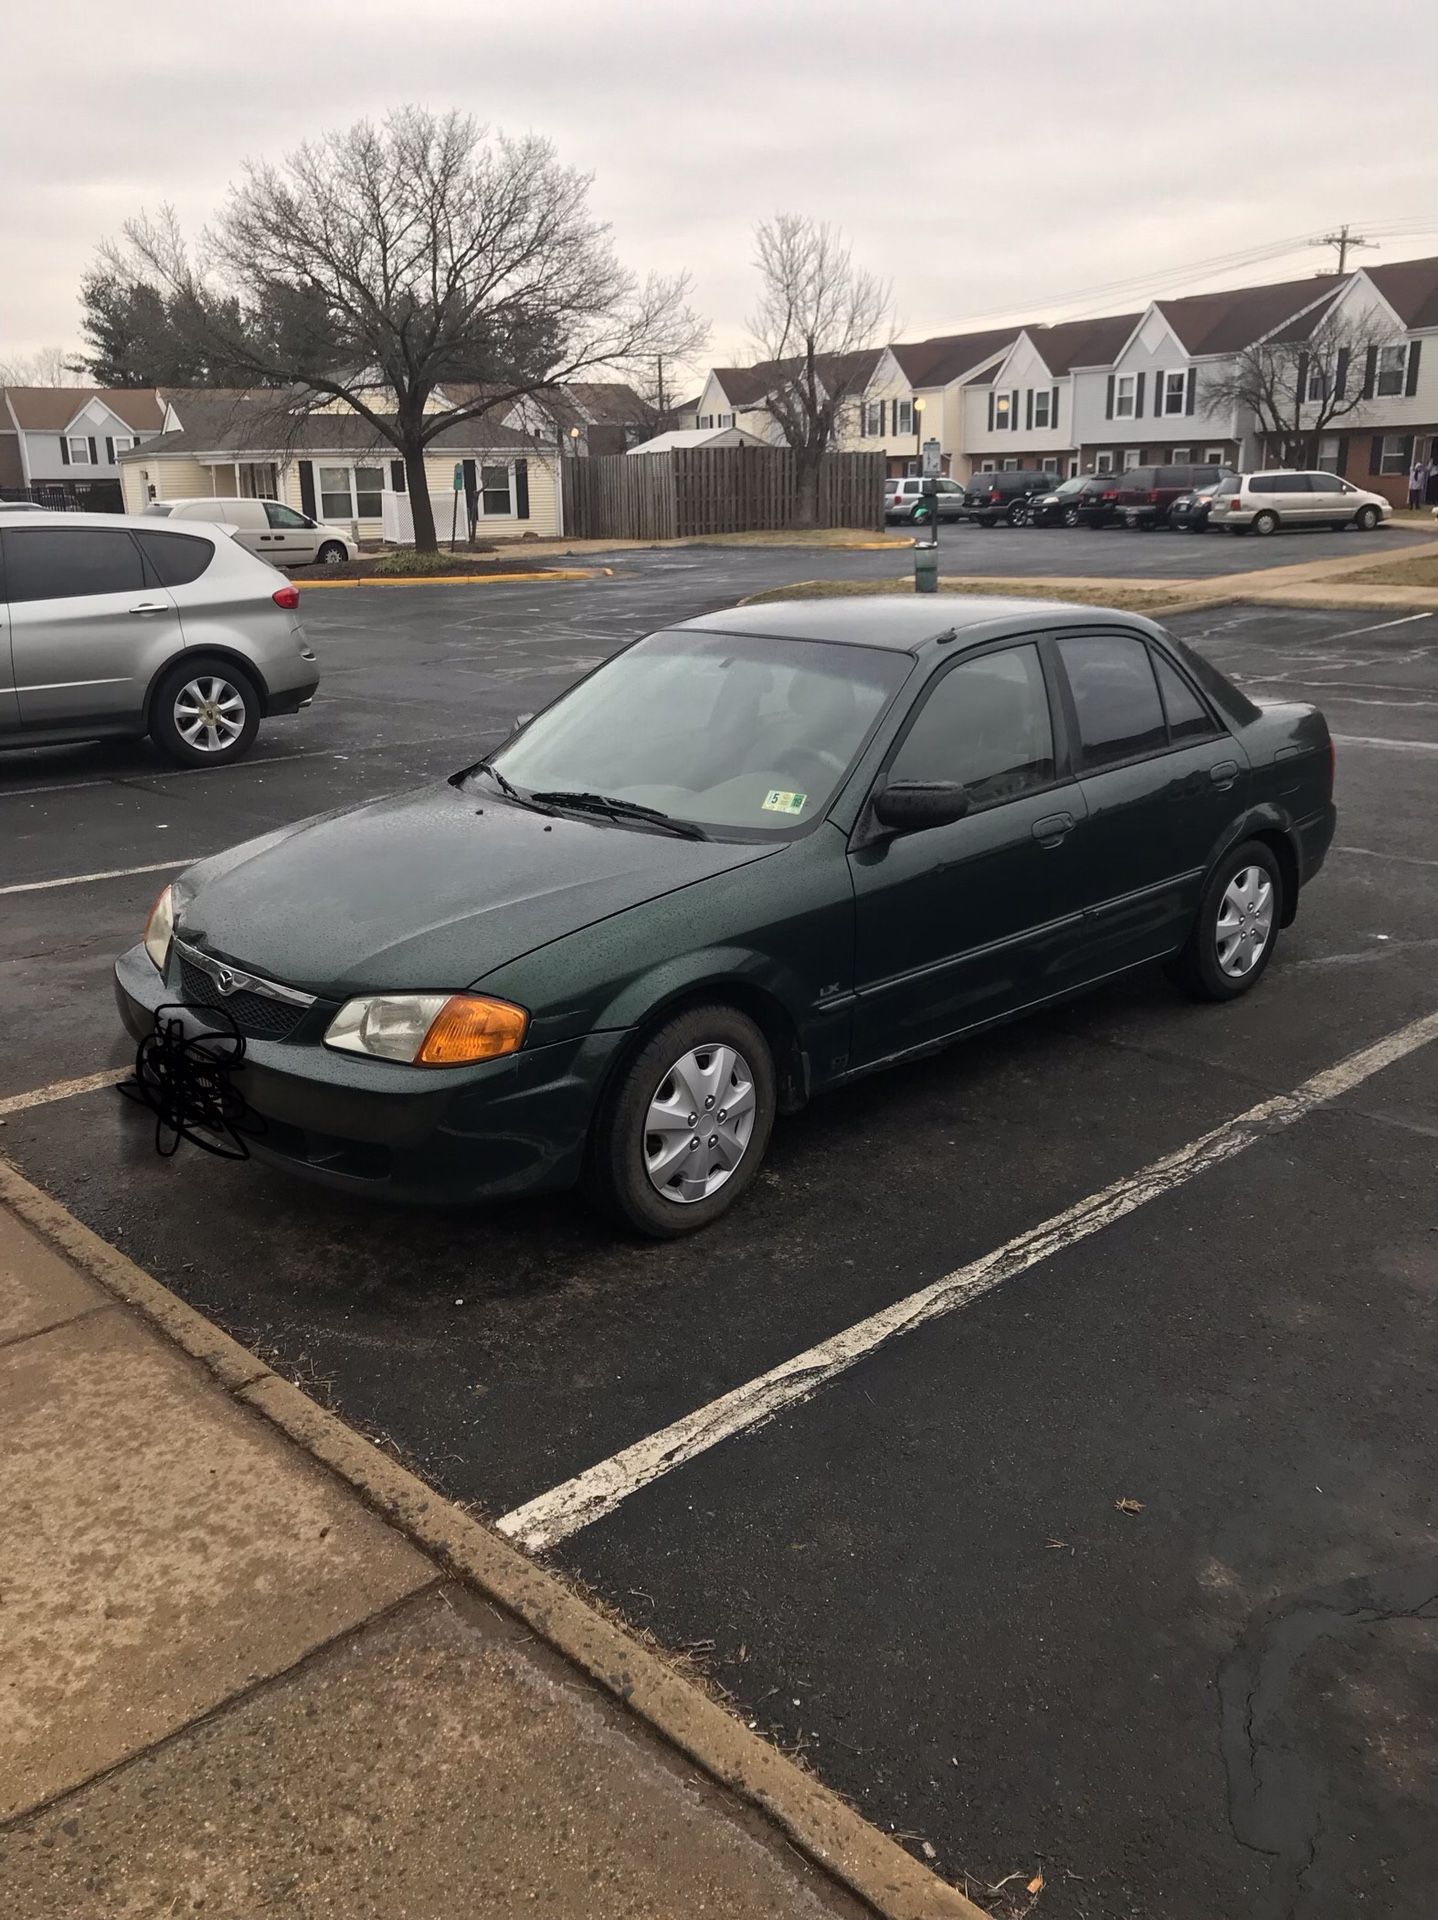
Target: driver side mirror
x,y
521,721
909,806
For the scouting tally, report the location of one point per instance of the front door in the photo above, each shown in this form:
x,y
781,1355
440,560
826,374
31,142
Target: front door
x,y
291,539
956,925
1161,780
85,627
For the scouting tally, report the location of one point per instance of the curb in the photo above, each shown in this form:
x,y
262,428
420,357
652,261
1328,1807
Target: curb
x,y
460,579
822,1826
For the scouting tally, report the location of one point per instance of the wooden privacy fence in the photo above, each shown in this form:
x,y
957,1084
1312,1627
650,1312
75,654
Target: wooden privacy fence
x,y
694,490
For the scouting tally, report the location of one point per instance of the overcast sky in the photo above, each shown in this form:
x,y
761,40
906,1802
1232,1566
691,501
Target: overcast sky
x,y
991,161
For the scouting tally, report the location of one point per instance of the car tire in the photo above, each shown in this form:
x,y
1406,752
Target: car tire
x,y
193,689
1071,516
1366,519
1019,514
331,554
1264,523
1222,958
626,1167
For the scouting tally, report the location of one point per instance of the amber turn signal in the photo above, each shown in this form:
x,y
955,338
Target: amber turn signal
x,y
469,1027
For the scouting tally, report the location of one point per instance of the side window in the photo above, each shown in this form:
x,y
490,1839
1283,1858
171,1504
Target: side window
x,y
176,558
1290,483
1187,717
61,563
282,516
1115,698
986,724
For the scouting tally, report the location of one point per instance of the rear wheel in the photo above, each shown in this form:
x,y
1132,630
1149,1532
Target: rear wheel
x,y
686,1127
1237,925
205,713
1265,522
1366,519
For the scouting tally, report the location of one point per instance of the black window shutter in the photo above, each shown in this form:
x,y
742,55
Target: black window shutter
x,y
1138,397
881,417
1410,387
1014,409
109,449
1407,451
1160,403
521,489
1341,464
1029,409
396,476
1053,406
64,451
1370,375
94,456
1108,404
307,487
1340,374
991,409
1189,404
1375,453
1302,377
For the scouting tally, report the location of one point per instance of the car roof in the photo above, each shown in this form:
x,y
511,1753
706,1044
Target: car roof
x,y
902,622
130,521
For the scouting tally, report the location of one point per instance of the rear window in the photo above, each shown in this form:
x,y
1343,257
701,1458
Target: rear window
x,y
1231,702
176,558
69,563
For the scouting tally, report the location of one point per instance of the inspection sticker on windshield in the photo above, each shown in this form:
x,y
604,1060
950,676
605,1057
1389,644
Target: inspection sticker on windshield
x,y
778,802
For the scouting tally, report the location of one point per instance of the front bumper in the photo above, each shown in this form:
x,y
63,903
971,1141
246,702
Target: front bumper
x,y
446,1135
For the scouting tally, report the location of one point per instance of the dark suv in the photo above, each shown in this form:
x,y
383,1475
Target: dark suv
x,y
1005,496
1097,503
1063,505
1147,493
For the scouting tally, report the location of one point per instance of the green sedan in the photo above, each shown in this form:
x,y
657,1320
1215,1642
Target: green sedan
x,y
751,857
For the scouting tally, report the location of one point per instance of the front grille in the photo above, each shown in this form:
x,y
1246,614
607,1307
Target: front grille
x,y
255,1014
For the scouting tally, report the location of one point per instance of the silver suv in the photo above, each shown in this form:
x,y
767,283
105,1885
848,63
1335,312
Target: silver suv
x,y
109,626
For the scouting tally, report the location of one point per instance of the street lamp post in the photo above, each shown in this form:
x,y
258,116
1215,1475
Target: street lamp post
x,y
926,552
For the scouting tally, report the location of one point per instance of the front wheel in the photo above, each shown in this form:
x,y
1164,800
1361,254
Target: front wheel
x,y
205,713
685,1129
1019,514
1237,926
1366,519
1071,516
331,554
1265,523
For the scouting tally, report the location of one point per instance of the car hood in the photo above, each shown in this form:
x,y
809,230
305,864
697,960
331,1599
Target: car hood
x,y
427,889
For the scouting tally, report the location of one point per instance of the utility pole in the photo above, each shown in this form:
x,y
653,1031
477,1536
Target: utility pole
x,y
1344,241
660,359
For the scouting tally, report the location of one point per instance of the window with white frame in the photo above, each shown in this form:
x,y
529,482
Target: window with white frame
x,y
1011,466
706,420
79,450
1132,457
1073,468
726,420
1049,463
1003,413
1317,387
872,426
351,493
1214,456
1043,403
1174,398
903,416
1103,463
1391,369
1125,396
987,466
494,494
1181,457
1397,450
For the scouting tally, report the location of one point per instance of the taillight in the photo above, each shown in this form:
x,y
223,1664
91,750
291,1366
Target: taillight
x,y
1234,504
996,499
286,597
1153,497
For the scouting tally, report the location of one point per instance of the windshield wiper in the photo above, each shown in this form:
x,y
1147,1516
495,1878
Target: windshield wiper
x,y
623,810
506,786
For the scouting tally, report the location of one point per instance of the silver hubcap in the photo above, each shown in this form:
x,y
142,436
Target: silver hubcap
x,y
699,1124
209,714
1245,920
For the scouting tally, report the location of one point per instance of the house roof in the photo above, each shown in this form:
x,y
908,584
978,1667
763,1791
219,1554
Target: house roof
x,y
1411,288
678,437
573,403
688,406
948,356
51,409
1083,343
748,386
1229,321
234,422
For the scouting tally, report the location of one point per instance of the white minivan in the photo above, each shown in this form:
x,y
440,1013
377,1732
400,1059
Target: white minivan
x,y
269,528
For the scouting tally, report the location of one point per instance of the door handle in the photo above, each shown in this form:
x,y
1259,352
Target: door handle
x,y
149,606
1052,828
1223,774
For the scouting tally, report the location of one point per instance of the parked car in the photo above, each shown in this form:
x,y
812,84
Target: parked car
x,y
905,499
1190,512
1097,505
1009,497
1147,493
119,626
1264,502
277,533
23,506
748,858
1063,506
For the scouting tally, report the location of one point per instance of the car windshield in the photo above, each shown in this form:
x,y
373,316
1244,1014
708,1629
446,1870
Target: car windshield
x,y
739,734
1074,486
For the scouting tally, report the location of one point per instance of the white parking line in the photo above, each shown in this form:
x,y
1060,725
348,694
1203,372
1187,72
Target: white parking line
x,y
63,1090
1404,620
1399,746
579,1502
1403,859
111,873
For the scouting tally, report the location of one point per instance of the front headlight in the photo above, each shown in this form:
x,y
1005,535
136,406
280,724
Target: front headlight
x,y
428,1029
160,928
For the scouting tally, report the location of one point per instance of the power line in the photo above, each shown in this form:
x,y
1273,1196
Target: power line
x,y
1344,239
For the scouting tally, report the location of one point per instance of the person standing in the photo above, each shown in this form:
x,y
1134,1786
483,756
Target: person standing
x,y
1418,482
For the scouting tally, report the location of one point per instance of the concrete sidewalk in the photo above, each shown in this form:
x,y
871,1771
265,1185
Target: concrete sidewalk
x,y
249,1665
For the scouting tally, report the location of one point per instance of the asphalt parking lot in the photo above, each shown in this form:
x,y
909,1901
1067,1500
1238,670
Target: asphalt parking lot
x,y
916,1572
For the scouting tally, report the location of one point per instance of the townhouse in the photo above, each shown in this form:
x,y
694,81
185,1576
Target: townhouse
x,y
61,445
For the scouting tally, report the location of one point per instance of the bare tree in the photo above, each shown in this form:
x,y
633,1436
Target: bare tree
x,y
1296,388
818,318
49,367
382,265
